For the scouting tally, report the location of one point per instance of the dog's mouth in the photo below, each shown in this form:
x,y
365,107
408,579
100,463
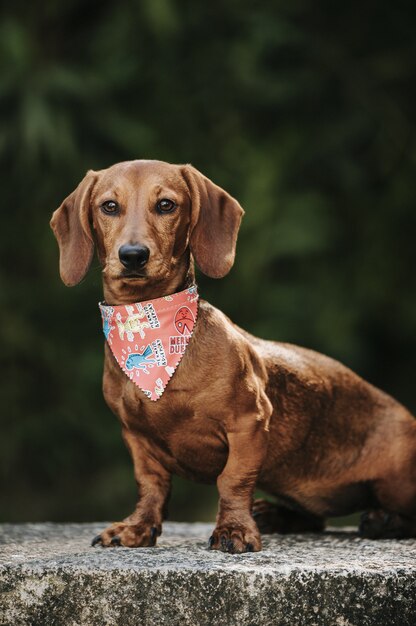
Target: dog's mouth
x,y
133,275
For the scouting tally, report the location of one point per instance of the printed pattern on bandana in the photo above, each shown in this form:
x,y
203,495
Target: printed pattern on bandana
x,y
149,339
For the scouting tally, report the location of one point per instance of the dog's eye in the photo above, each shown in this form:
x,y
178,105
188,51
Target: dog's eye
x,y
165,206
110,207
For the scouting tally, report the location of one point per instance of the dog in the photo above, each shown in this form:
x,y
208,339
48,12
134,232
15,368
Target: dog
x,y
239,411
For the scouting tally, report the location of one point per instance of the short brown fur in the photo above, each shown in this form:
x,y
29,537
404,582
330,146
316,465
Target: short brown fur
x,y
239,411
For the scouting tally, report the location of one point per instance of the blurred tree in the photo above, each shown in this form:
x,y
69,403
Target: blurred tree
x,y
305,112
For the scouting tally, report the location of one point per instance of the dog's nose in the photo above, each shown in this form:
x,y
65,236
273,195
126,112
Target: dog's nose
x,y
133,257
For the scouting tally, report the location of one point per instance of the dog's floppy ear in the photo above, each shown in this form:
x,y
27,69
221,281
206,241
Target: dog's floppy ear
x,y
215,221
70,224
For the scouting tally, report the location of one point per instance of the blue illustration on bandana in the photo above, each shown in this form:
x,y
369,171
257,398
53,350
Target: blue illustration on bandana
x,y
107,318
140,360
107,328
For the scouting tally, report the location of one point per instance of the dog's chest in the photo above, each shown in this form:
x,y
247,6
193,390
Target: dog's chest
x,y
187,441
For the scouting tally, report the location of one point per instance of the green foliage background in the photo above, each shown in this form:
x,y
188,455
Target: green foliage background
x,y
304,111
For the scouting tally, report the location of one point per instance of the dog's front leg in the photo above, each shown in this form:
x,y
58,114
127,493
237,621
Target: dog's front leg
x,y
144,525
235,529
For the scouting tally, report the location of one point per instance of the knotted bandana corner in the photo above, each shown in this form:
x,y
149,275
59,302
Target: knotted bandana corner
x,y
148,339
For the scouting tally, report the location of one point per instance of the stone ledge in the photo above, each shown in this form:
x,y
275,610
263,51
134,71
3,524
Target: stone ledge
x,y
49,575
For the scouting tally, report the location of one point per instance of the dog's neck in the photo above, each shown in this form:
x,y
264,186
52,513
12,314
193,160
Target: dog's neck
x,y
129,291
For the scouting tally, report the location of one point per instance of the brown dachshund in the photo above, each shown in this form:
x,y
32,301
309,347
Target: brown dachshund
x,y
239,411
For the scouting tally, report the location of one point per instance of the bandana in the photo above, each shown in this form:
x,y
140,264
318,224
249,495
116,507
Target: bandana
x,y
149,339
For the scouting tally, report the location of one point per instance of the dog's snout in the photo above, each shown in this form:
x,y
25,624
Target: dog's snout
x,y
133,257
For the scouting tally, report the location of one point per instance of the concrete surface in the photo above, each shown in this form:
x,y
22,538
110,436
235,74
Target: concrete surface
x,y
50,575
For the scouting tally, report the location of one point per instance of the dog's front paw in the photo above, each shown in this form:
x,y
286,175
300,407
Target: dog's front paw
x,y
235,539
129,535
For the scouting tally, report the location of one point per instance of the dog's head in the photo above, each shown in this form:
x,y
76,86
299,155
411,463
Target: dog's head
x,y
145,217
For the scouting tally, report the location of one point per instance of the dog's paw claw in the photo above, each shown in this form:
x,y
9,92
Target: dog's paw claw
x,y
230,547
116,541
211,542
97,539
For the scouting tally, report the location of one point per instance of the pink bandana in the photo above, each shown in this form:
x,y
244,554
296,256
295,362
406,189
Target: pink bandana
x,y
148,339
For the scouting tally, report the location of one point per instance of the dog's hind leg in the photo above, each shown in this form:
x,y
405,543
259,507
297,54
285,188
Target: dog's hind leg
x,y
396,517
396,494
274,518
